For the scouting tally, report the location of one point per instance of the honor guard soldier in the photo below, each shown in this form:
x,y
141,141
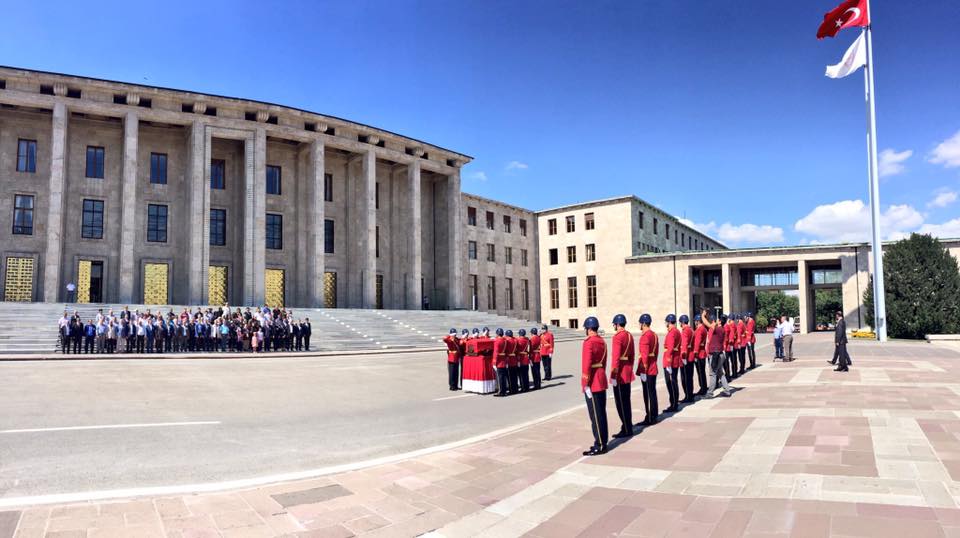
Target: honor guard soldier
x,y
686,359
454,353
535,357
593,383
741,343
727,333
500,361
649,349
546,352
751,340
715,347
464,338
523,358
621,374
513,365
671,362
700,350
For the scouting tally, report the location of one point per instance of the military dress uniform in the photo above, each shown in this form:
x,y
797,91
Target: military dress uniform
x,y
523,359
700,350
672,363
649,349
454,354
535,357
621,377
728,348
500,362
546,353
741,344
751,340
593,384
687,360
513,364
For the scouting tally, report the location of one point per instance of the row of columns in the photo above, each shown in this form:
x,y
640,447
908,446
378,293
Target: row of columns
x,y
199,143
730,278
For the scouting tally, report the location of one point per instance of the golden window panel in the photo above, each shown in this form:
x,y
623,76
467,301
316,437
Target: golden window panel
x,y
83,281
155,284
274,284
329,289
217,285
19,280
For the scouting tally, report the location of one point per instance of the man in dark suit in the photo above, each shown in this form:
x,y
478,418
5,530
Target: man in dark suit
x,y
305,329
840,348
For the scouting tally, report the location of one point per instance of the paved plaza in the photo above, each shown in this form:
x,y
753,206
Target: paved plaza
x,y
799,451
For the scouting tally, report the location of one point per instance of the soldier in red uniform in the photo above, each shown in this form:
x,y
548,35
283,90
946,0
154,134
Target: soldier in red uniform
x,y
454,354
546,352
700,351
593,384
649,349
523,357
741,343
500,361
751,340
727,331
687,359
716,341
535,357
513,364
621,374
671,362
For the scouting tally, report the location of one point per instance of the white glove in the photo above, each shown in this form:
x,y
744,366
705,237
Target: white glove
x,y
643,378
588,392
614,382
669,370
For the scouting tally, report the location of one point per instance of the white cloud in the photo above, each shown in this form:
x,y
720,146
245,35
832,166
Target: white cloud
x,y
943,199
849,220
947,230
891,162
947,152
739,233
516,165
478,176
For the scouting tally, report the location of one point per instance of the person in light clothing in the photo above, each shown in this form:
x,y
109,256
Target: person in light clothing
x,y
786,325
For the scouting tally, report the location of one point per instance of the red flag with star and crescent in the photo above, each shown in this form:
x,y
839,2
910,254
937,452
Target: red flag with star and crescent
x,y
847,15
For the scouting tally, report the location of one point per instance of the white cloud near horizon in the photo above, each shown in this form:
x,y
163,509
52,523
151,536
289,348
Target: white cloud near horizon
x,y
735,234
478,176
516,165
943,199
949,229
947,152
891,161
849,221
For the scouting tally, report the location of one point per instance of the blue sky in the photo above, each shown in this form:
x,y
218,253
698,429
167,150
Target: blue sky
x,y
715,111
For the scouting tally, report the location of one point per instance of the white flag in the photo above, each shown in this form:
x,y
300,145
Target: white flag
x,y
853,59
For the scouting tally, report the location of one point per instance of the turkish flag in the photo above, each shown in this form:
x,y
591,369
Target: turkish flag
x,y
848,14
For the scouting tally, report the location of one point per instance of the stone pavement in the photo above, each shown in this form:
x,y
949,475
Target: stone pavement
x,y
800,451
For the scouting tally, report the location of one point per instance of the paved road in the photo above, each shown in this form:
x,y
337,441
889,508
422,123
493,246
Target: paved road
x,y
254,417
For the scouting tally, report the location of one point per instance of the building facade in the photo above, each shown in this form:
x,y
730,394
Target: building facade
x,y
139,194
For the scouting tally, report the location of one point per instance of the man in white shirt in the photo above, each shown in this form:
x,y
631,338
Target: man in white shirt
x,y
786,328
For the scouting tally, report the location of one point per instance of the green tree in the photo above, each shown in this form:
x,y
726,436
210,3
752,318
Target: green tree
x,y
773,304
827,302
922,289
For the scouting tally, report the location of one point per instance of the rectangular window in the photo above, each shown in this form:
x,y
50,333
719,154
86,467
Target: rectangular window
x,y
573,323
27,156
472,250
554,293
667,229
525,293
656,224
471,216
507,222
218,171
218,227
523,227
95,162
523,257
591,252
376,237
571,254
491,253
327,187
508,252
588,221
555,322
489,220
158,168
474,302
157,223
273,180
23,214
554,257
274,231
91,226
376,195
491,293
509,294
675,238
591,290
572,292
552,227
640,218
683,238
571,224
328,236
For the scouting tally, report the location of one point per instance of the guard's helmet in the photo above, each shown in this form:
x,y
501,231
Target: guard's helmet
x,y
544,327
696,317
475,331
499,332
749,314
645,319
486,329
620,320
671,318
684,319
510,333
522,332
723,318
533,330
453,331
464,332
591,323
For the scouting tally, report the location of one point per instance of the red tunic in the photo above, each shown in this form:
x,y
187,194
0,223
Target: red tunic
x,y
623,354
511,347
500,352
741,334
523,350
594,364
728,337
454,349
700,342
671,348
686,344
751,330
546,344
649,349
535,348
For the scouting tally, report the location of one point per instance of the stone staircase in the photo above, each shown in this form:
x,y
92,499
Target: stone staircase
x,y
32,327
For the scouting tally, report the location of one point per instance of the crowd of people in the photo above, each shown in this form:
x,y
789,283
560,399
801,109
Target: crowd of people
x,y
221,330
516,359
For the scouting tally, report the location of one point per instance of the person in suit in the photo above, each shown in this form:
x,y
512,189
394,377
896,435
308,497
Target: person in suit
x,y
89,334
305,330
297,336
840,345
77,332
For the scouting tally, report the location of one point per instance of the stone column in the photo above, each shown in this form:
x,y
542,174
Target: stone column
x,y
198,190
806,302
254,218
726,278
58,162
414,238
368,229
128,209
315,215
455,292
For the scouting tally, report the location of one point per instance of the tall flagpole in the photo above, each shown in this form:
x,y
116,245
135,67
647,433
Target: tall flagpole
x,y
879,299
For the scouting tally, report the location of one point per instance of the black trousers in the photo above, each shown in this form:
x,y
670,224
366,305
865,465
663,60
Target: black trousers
x,y
702,376
670,377
306,342
299,343
503,379
547,367
621,397
535,369
742,355
88,344
752,353
597,409
76,344
513,372
524,377
650,405
453,375
840,354
686,379
727,359
64,343
141,340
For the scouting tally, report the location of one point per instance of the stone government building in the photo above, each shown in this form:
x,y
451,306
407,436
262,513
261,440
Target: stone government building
x,y
150,195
